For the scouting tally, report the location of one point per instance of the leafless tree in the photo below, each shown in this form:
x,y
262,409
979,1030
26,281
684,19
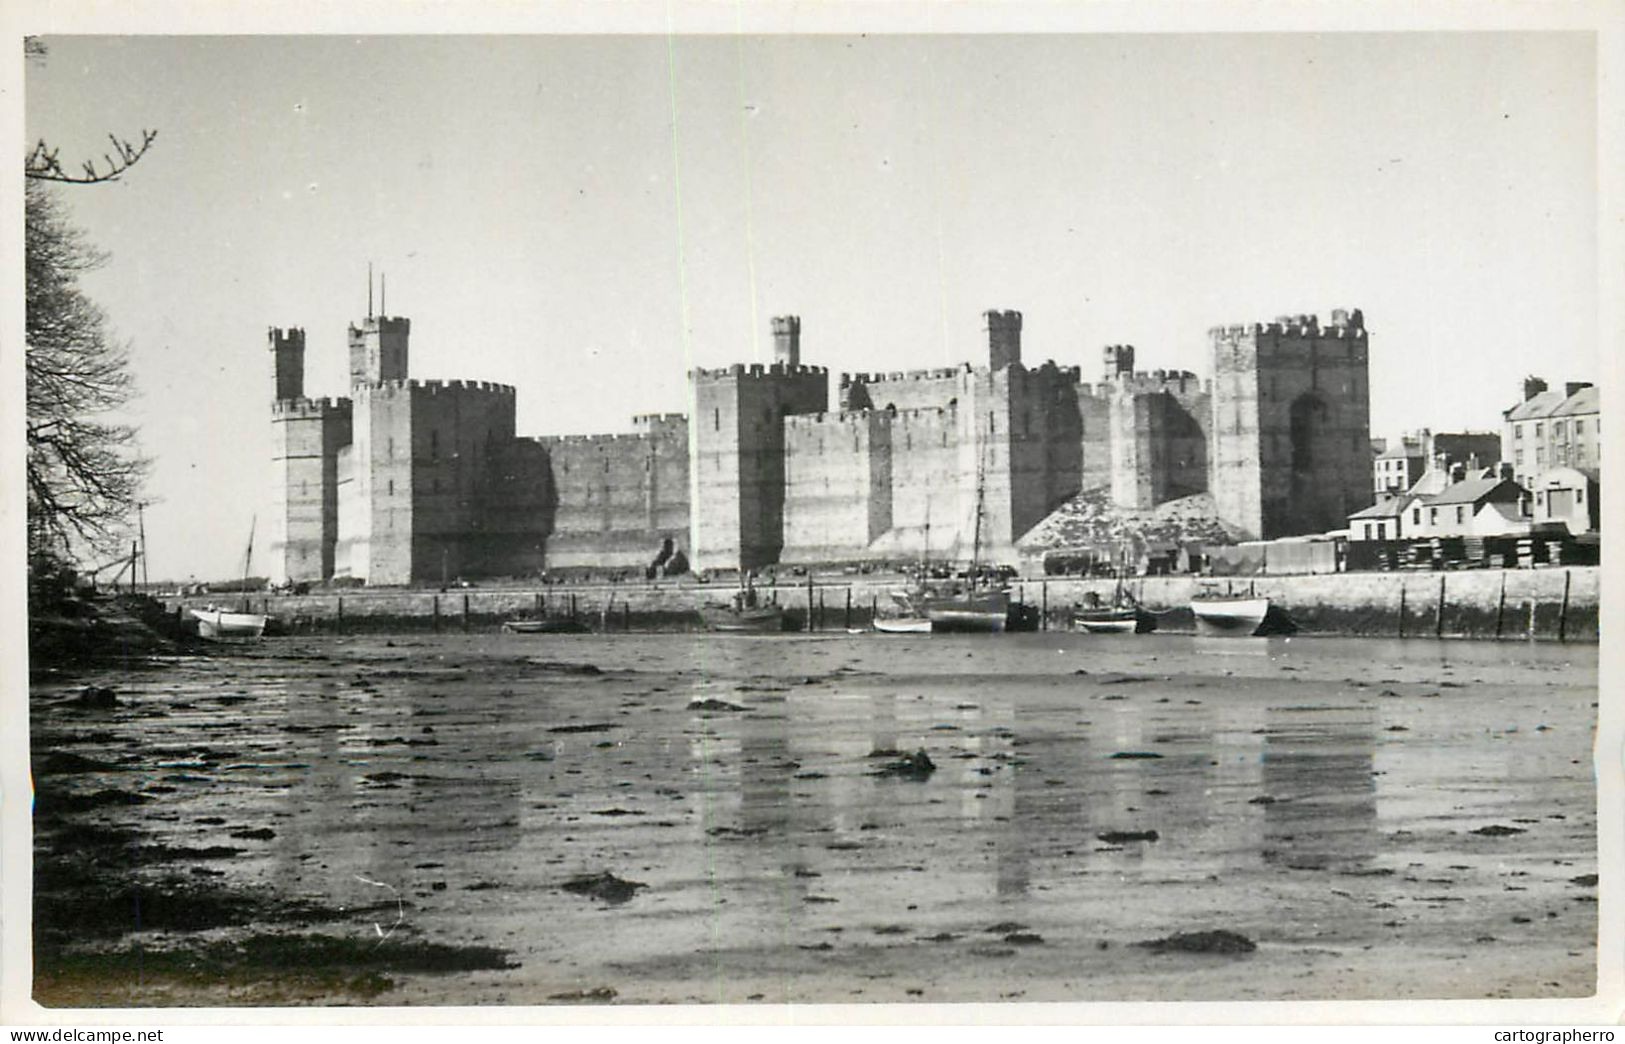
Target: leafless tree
x,y
84,472
42,163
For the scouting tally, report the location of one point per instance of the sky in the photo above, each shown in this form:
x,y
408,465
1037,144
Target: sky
x,y
586,217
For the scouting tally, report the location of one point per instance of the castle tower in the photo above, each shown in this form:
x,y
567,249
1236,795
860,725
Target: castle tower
x,y
787,340
378,350
736,457
1290,432
1119,361
288,362
1003,339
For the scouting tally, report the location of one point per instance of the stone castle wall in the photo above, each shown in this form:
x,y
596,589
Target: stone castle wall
x,y
411,481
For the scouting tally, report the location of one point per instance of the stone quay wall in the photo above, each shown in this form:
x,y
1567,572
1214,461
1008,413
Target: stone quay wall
x,y
1544,604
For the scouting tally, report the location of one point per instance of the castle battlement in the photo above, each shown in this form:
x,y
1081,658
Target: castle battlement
x,y
436,387
297,408
756,371
605,440
1344,325
659,418
938,374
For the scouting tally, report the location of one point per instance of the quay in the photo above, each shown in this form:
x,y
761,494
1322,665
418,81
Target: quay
x,y
1545,604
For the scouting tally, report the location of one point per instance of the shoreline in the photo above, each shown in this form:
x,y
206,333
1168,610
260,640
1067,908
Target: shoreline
x,y
1542,604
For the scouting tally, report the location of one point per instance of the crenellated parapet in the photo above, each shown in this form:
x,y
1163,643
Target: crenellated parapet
x,y
435,387
898,376
294,409
1344,325
755,371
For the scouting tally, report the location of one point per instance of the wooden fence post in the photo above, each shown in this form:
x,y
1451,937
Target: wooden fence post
x,y
465,613
848,607
1563,613
1501,603
1438,618
436,614
1402,608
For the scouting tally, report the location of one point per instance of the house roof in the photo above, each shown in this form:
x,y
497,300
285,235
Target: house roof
x,y
1554,403
1583,401
1556,476
1390,508
1505,510
1403,449
1471,491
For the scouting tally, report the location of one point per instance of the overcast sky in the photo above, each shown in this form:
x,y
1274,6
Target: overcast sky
x,y
585,217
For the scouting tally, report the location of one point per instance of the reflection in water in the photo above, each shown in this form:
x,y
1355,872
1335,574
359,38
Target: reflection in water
x,y
1318,770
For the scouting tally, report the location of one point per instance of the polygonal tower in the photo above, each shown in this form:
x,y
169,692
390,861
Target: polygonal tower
x,y
736,452
1290,434
306,436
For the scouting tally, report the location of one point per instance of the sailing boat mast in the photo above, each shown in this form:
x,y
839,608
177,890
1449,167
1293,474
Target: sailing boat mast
x,y
248,556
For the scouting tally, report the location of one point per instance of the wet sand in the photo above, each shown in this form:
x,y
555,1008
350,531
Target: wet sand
x,y
1377,819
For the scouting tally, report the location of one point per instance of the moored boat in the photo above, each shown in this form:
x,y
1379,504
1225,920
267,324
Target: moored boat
x,y
1129,619
903,624
1224,614
221,623
733,619
560,625
986,610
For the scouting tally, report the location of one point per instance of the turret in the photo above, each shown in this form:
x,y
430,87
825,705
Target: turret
x,y
1003,339
787,340
288,362
378,350
1119,361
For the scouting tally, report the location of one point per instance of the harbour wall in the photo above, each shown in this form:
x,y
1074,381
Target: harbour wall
x,y
1558,603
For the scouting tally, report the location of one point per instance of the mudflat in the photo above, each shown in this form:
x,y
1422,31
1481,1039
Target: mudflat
x,y
485,819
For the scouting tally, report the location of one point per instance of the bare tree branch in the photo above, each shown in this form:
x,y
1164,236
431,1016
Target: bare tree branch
x,y
42,163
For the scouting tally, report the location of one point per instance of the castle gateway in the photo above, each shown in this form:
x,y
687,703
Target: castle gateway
x,y
409,481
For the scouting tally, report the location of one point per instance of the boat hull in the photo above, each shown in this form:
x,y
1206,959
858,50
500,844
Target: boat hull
x,y
903,625
216,623
1114,621
1230,617
759,620
544,627
977,611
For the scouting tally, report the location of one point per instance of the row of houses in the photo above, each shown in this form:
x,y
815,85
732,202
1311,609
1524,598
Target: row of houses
x,y
1459,484
1487,503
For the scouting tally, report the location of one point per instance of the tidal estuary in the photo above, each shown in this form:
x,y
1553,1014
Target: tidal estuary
x,y
688,819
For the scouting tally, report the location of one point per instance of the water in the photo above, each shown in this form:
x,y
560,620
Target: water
x,y
1317,796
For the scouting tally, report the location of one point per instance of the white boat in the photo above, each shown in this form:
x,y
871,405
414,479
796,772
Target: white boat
x,y
744,613
221,623
214,622
903,624
1229,614
1123,620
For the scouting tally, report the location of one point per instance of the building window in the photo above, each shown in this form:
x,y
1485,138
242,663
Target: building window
x,y
1579,427
1540,456
1416,516
1557,429
1517,431
1517,457
1433,516
1538,427
1461,514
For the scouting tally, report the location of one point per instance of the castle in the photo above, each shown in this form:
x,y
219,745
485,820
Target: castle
x,y
406,481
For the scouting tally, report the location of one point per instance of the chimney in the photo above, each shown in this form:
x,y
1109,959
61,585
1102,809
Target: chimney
x,y
1458,473
1507,474
1532,386
1573,386
787,340
1003,339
